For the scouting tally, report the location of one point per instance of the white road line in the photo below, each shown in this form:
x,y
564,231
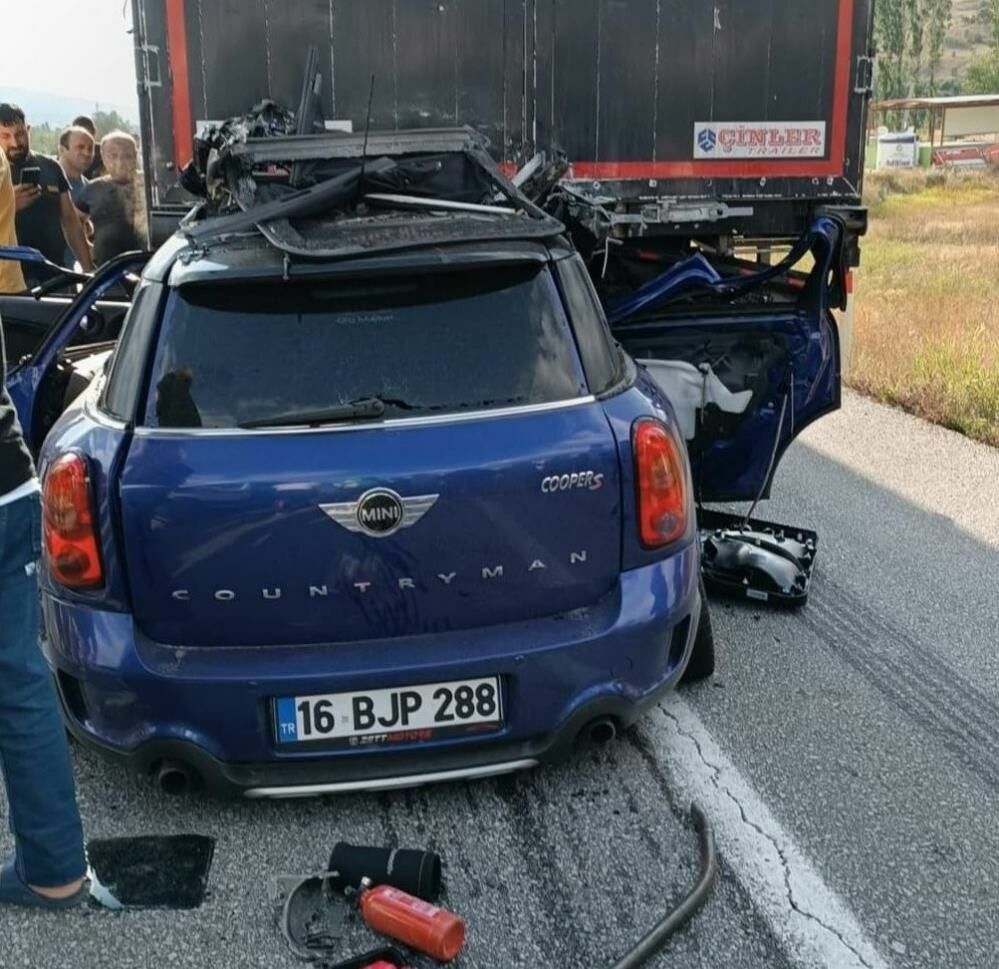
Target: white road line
x,y
812,923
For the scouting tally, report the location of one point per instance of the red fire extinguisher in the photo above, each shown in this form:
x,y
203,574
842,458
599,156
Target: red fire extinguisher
x,y
412,921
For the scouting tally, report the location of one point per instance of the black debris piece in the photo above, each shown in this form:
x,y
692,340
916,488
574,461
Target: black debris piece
x,y
390,956
756,560
312,916
169,872
408,869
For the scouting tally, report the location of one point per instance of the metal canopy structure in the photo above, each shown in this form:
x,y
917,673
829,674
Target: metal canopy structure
x,y
952,117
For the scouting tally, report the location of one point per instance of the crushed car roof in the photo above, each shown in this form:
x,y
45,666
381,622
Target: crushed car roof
x,y
248,258
335,196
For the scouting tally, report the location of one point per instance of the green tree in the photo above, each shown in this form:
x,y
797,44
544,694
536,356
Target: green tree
x,y
111,121
983,74
940,16
910,36
989,15
916,17
891,34
44,139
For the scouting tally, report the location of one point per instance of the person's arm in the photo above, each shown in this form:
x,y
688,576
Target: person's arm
x,y
72,229
82,205
11,278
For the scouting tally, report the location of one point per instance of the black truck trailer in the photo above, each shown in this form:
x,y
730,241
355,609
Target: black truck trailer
x,y
679,143
704,119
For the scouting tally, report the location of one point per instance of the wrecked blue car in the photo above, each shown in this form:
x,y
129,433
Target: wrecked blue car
x,y
377,488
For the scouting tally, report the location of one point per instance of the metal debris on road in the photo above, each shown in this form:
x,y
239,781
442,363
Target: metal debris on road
x,y
752,559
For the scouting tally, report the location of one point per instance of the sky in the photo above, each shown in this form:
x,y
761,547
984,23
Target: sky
x,y
73,48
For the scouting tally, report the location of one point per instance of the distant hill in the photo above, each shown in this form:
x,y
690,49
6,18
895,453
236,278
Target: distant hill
x,y
58,109
968,39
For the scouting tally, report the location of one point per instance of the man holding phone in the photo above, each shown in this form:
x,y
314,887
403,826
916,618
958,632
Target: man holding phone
x,y
46,217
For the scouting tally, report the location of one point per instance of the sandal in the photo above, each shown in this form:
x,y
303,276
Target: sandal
x,y
13,891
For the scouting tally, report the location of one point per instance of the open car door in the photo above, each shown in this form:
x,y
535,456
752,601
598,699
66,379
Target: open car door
x,y
54,344
748,357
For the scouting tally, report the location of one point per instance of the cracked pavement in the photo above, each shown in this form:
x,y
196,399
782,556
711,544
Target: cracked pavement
x,y
853,750
869,722
815,926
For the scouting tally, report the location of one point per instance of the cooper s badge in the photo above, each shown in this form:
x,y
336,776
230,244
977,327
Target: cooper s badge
x,y
380,512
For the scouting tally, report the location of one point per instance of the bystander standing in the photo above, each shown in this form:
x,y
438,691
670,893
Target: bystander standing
x,y
46,217
96,167
48,865
116,202
76,154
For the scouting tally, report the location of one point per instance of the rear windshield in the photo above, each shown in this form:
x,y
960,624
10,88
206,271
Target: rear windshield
x,y
434,344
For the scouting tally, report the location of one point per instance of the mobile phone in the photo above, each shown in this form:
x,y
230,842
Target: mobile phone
x,y
31,176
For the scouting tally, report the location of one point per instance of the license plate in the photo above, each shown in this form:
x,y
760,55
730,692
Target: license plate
x,y
404,715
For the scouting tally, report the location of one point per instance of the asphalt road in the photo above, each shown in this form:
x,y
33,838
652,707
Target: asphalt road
x,y
848,754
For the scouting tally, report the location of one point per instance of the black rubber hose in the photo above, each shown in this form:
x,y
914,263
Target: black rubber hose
x,y
686,910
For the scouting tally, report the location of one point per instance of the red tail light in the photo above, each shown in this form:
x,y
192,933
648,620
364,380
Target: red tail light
x,y
72,550
661,481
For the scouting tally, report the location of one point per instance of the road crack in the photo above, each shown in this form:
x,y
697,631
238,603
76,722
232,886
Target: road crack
x,y
718,783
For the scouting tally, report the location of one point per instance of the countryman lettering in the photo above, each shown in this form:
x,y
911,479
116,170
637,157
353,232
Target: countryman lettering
x,y
488,573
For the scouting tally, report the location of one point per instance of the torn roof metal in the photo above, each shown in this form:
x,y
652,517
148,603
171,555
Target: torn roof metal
x,y
336,195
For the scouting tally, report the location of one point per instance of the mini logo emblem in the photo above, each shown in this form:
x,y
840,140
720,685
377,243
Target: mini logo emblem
x,y
380,512
707,139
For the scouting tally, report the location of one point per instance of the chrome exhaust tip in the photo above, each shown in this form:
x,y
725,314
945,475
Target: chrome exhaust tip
x,y
175,778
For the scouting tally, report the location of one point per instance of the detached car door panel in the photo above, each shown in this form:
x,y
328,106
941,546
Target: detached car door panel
x,y
748,360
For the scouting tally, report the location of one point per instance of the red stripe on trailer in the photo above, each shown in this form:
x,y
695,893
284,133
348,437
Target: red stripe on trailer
x,y
797,168
180,88
841,103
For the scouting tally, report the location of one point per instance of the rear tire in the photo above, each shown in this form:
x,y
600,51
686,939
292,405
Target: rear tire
x,y
702,657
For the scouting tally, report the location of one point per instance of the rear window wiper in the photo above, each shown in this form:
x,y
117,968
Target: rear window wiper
x,y
368,409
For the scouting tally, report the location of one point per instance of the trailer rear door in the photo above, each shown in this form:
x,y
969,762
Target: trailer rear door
x,y
758,102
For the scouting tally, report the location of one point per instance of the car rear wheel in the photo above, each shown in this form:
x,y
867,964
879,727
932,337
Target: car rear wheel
x,y
702,658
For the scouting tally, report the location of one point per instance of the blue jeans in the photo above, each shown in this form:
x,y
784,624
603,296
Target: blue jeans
x,y
34,754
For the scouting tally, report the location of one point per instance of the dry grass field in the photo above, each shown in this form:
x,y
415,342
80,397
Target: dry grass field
x,y
927,324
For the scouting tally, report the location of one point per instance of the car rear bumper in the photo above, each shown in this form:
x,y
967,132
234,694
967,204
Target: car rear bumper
x,y
144,703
